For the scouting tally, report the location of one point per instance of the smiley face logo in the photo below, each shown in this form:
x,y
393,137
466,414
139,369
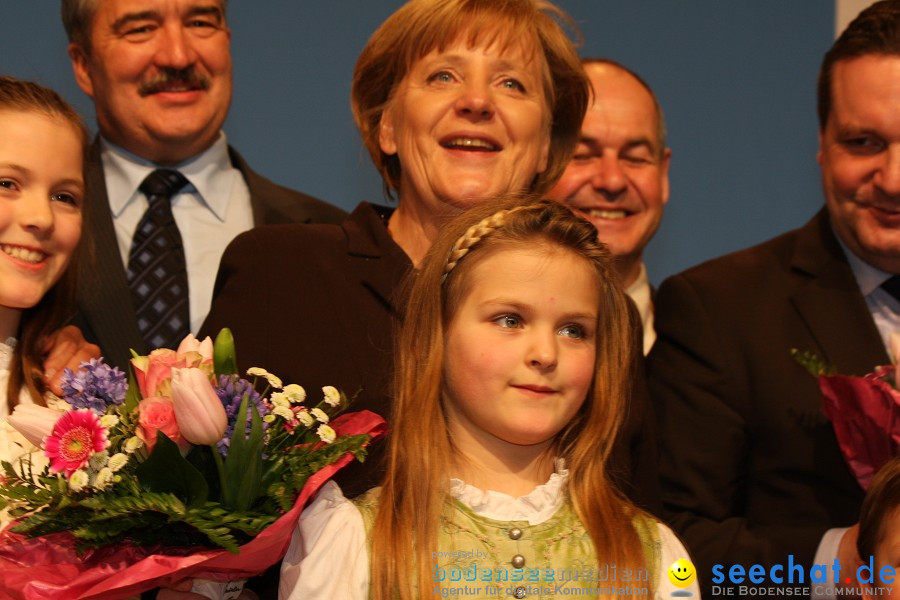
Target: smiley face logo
x,y
682,573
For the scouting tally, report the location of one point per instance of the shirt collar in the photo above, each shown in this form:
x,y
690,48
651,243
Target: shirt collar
x,y
209,175
639,290
868,278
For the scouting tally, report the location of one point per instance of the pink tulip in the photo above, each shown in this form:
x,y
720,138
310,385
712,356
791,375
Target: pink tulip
x,y
33,422
192,344
198,410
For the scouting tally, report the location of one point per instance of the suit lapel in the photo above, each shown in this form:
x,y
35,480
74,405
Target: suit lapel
x,y
103,284
831,304
378,263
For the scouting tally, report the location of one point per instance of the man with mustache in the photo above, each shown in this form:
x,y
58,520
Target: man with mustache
x,y
618,178
166,192
750,465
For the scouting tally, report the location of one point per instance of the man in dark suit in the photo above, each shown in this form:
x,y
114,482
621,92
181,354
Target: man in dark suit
x,y
161,80
751,469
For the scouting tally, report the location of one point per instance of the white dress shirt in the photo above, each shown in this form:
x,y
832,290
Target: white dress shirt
x,y
209,212
639,291
885,308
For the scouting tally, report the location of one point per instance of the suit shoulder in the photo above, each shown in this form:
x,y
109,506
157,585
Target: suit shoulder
x,y
308,208
290,237
765,260
275,204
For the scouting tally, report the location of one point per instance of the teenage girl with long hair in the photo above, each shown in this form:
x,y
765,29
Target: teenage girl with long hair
x,y
42,150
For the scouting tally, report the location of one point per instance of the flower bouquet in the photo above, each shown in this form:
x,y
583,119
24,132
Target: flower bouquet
x,y
864,413
187,470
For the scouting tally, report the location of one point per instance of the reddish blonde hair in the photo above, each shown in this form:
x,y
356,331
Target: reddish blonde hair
x,y
882,501
421,26
420,449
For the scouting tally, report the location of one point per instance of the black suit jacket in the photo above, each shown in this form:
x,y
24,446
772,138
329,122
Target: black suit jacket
x,y
105,312
750,467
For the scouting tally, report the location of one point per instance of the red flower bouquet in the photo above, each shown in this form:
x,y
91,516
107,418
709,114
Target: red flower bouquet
x,y
864,412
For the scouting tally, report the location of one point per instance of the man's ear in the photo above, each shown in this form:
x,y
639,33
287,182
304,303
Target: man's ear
x,y
664,174
81,68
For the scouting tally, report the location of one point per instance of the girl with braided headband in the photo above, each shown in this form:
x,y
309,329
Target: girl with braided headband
x,y
511,385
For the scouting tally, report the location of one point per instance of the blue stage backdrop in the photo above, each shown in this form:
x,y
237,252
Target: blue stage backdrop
x,y
736,80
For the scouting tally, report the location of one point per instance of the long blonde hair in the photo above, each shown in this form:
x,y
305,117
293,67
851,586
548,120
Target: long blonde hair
x,y
419,452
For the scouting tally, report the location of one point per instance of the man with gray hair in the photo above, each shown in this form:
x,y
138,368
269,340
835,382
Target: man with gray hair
x,y
166,191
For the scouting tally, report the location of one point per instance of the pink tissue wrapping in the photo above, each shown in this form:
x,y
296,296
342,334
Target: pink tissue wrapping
x,y
865,415
46,568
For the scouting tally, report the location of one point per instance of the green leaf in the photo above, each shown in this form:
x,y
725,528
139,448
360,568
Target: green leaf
x,y
166,471
224,359
133,395
202,458
243,466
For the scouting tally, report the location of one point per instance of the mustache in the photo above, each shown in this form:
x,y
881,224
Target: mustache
x,y
168,78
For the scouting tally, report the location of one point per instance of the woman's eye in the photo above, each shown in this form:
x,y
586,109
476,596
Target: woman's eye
x,y
508,321
441,77
513,84
572,331
7,184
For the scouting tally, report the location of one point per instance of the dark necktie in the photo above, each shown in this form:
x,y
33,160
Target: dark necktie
x,y
157,274
892,286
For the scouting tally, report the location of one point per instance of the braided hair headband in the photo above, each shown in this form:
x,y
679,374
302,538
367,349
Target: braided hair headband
x,y
475,234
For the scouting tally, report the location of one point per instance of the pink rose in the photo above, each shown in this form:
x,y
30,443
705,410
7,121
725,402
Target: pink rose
x,y
154,372
158,414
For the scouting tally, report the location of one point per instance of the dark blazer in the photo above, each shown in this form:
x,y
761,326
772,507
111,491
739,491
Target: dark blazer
x,y
105,313
750,466
321,321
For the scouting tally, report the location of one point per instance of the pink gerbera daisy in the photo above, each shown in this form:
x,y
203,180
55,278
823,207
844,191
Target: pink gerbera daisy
x,y
76,436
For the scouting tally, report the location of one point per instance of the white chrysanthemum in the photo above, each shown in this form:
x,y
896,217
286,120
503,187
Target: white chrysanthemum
x,y
117,461
133,444
326,433
78,480
295,393
99,459
104,478
320,415
109,421
305,418
257,372
280,399
332,395
274,381
285,413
